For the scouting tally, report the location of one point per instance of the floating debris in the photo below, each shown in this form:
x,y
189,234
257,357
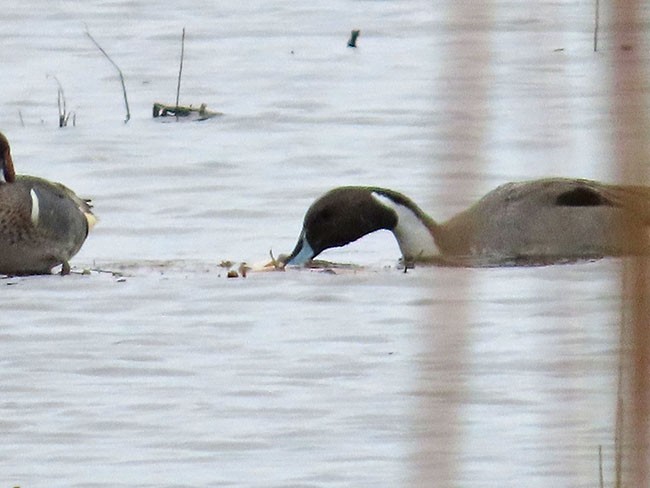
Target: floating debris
x,y
181,112
279,263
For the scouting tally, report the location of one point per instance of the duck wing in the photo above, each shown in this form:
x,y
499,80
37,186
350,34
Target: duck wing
x,y
585,193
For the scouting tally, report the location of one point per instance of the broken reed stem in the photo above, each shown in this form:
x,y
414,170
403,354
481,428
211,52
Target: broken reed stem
x,y
126,101
600,467
59,96
353,38
180,70
596,23
618,428
61,103
60,100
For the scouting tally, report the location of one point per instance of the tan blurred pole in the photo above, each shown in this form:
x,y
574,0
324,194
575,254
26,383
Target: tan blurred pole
x,y
631,158
462,94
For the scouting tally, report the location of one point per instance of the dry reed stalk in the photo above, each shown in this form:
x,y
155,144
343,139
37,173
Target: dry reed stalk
x,y
601,481
180,71
64,115
596,24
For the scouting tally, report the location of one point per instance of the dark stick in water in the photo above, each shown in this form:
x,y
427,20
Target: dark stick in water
x,y
353,38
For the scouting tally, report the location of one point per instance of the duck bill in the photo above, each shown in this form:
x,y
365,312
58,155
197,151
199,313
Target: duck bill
x,y
302,253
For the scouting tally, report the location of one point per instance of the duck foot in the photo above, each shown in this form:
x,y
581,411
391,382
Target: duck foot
x,y
65,268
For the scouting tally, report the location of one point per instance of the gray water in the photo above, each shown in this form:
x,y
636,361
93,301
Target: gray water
x,y
157,370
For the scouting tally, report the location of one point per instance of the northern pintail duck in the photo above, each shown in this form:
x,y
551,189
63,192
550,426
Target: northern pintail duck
x,y
533,222
42,223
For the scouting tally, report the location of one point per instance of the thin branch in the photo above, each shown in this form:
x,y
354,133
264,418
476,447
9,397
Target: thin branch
x,y
126,101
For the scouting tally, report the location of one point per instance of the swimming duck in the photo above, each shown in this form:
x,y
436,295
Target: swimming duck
x,y
522,223
42,223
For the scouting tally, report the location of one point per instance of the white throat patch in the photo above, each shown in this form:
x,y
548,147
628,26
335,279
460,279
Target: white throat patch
x,y
413,236
35,206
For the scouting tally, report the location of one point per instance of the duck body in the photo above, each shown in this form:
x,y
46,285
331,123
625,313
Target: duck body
x,y
42,223
523,223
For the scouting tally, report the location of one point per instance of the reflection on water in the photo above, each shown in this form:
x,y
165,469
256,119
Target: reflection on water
x,y
170,374
303,373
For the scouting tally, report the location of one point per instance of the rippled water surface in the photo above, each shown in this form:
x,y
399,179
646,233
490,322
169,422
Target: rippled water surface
x,y
157,370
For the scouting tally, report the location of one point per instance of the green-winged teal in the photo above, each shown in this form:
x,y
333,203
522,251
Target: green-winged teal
x,y
42,223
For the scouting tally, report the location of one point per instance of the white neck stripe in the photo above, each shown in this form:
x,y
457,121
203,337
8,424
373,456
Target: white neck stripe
x,y
413,236
35,206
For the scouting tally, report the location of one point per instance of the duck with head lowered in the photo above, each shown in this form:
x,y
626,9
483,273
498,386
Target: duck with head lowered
x,y
544,221
42,223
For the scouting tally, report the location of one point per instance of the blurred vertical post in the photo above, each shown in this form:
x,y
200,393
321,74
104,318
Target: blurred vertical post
x,y
461,93
628,102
